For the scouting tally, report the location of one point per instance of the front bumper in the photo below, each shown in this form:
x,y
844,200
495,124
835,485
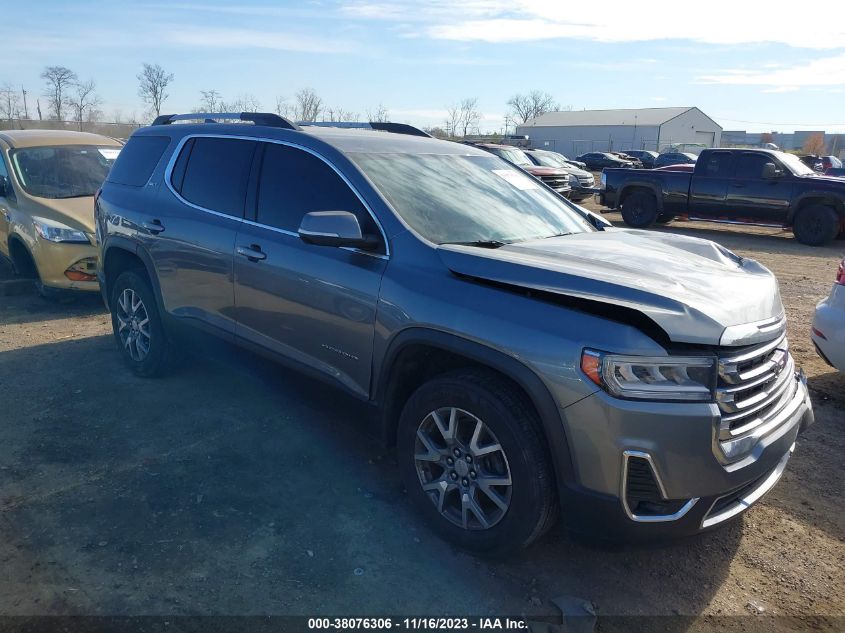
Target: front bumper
x,y
53,259
678,441
829,319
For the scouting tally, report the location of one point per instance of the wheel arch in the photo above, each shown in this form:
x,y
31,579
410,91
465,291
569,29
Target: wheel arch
x,y
120,255
825,198
17,246
408,363
635,186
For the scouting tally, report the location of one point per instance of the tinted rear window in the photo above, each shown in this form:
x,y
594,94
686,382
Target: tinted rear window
x,y
137,160
217,173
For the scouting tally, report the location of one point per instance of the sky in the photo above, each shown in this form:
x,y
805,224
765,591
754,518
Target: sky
x,y
756,66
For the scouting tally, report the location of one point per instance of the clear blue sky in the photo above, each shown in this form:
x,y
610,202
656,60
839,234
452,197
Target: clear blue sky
x,y
750,65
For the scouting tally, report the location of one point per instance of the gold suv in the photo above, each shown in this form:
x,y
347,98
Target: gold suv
x,y
48,179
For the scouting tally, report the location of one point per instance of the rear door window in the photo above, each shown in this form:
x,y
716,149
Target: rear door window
x,y
137,160
293,182
718,164
750,166
216,174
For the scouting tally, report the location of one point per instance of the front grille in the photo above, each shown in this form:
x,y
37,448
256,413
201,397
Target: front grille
x,y
755,383
556,182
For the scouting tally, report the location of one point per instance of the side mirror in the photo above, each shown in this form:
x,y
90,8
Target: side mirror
x,y
771,171
6,190
335,228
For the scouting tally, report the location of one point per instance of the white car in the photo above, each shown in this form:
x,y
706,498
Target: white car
x,y
828,332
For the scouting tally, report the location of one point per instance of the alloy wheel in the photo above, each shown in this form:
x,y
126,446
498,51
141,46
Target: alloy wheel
x,y
133,325
462,468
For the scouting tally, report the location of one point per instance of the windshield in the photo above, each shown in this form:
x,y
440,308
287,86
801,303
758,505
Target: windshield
x,y
548,160
66,171
451,198
515,156
794,164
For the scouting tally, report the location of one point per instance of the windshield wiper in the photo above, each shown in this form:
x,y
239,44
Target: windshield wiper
x,y
479,243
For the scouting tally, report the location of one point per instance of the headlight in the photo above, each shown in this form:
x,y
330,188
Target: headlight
x,y
686,378
57,232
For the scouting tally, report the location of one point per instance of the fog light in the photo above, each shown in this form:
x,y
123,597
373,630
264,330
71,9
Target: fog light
x,y
83,270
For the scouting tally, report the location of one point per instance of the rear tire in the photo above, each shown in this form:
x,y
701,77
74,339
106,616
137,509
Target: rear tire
x,y
639,210
816,225
137,325
457,460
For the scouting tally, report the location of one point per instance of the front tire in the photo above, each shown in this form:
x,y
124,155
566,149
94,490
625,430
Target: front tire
x,y
816,225
639,210
137,325
664,218
475,463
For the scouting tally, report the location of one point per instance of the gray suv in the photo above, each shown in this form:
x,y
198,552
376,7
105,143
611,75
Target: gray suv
x,y
529,362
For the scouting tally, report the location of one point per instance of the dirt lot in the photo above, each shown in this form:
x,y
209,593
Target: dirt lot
x,y
235,487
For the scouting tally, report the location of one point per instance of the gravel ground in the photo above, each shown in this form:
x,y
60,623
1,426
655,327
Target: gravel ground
x,y
235,487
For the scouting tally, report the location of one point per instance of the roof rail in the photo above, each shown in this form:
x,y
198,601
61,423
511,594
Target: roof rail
x,y
258,118
396,128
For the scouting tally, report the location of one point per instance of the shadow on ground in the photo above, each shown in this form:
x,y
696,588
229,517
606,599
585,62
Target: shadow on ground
x,y
255,490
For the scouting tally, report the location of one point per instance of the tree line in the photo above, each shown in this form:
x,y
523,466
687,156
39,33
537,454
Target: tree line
x,y
68,98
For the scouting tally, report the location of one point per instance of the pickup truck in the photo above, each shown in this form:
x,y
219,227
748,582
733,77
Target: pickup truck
x,y
738,186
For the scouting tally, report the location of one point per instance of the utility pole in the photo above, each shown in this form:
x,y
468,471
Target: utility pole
x,y
38,106
25,111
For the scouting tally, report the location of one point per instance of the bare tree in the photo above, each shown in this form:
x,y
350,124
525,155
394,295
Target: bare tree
x,y
152,85
9,102
532,105
767,137
59,81
453,119
83,101
470,116
339,114
245,103
378,115
814,144
283,108
212,101
308,105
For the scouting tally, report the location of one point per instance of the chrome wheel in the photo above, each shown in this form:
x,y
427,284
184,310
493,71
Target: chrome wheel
x,y
462,468
133,325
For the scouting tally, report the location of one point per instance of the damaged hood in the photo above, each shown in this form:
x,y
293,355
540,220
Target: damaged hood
x,y
693,289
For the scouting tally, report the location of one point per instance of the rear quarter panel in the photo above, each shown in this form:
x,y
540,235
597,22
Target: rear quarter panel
x,y
670,188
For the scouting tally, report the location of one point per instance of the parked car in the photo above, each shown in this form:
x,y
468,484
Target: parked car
x,y
813,162
675,158
574,163
554,177
515,364
831,162
752,186
48,180
596,161
646,157
585,182
828,331
635,162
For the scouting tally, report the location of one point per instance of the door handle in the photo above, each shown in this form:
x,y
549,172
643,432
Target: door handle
x,y
153,226
252,252
739,186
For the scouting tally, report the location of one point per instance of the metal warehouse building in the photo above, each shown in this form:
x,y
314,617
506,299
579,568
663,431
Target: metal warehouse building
x,y
657,129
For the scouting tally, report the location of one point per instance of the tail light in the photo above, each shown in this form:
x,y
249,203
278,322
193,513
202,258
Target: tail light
x,y
840,274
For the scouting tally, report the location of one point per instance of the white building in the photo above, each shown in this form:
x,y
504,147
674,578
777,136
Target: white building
x,y
656,129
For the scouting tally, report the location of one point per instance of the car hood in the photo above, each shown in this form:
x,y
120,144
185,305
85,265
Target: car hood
x,y
693,289
536,170
77,213
835,181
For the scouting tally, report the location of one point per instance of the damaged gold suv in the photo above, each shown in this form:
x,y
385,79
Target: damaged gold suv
x,y
48,179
